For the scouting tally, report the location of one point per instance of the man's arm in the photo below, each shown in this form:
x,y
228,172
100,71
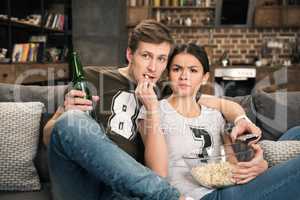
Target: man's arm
x,y
232,112
50,124
229,109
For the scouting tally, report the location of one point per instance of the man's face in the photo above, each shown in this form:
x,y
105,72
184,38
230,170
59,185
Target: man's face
x,y
149,60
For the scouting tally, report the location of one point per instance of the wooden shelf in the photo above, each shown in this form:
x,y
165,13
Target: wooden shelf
x,y
193,26
26,73
22,24
182,7
4,21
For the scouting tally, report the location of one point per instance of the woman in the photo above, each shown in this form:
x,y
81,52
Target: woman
x,y
178,125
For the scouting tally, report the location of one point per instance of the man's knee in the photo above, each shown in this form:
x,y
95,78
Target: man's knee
x,y
291,134
76,123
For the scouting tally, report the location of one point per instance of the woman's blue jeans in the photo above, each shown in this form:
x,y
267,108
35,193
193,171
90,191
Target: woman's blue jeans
x,y
85,165
277,183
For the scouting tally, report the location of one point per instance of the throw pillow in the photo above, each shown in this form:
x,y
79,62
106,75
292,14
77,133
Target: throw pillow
x,y
276,152
19,136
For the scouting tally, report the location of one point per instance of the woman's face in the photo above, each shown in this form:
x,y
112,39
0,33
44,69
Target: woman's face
x,y
186,75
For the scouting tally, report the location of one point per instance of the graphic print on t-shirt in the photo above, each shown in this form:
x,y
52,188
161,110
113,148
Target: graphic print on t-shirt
x,y
124,110
202,136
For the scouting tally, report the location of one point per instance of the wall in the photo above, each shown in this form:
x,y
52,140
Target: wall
x,y
99,31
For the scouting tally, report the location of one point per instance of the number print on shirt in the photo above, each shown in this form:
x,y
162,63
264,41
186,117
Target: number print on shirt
x,y
124,110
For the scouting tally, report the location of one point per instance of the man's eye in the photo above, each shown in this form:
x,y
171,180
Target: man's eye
x,y
194,70
146,56
162,60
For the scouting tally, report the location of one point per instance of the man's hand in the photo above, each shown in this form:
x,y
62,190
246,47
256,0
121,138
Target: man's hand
x,y
74,100
244,172
244,126
145,93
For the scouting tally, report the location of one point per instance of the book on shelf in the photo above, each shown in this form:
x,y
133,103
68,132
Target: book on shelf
x,y
55,21
32,51
42,41
17,52
25,52
138,3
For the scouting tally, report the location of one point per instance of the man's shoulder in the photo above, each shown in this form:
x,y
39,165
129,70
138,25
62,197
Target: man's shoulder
x,y
102,69
107,73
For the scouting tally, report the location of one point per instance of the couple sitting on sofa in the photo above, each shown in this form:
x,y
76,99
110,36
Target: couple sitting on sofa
x,y
84,163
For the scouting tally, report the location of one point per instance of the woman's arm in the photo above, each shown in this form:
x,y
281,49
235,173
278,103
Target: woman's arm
x,y
156,153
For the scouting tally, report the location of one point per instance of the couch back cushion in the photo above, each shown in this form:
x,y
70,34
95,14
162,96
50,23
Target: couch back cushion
x,y
276,112
51,97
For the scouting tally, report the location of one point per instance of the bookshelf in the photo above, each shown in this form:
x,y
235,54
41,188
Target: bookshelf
x,y
39,32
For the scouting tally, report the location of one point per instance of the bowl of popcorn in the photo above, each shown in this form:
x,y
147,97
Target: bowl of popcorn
x,y
215,171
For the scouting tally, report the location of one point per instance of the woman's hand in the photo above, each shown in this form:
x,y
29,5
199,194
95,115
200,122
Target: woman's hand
x,y
145,93
244,172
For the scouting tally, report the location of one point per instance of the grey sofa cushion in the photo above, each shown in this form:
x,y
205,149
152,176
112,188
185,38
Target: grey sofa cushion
x,y
276,112
43,194
50,96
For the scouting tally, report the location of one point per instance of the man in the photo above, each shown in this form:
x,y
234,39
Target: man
x,y
84,163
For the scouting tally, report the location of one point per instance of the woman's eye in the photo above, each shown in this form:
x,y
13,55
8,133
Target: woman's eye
x,y
175,69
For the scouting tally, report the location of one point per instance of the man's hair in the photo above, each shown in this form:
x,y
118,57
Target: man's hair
x,y
194,50
149,31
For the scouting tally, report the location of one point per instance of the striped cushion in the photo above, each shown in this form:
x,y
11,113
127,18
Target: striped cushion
x,y
276,152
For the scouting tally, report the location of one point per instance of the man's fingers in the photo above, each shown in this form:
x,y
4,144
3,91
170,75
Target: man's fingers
x,y
243,181
77,101
95,98
243,176
78,107
75,93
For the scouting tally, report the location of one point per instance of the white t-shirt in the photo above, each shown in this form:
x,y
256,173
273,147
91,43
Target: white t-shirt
x,y
186,135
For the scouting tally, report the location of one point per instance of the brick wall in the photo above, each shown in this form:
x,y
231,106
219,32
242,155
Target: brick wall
x,y
242,44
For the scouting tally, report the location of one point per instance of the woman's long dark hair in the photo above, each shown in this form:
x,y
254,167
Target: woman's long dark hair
x,y
192,49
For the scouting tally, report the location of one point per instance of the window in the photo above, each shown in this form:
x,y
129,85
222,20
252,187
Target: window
x,y
235,12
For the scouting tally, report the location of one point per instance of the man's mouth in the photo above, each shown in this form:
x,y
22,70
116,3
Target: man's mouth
x,y
148,76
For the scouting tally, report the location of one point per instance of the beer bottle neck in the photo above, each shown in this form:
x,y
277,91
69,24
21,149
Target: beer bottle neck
x,y
78,73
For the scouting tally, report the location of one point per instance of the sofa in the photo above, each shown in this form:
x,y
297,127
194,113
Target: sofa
x,y
51,97
274,112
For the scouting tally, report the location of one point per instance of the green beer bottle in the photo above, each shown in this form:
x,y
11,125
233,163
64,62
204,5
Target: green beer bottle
x,y
79,82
